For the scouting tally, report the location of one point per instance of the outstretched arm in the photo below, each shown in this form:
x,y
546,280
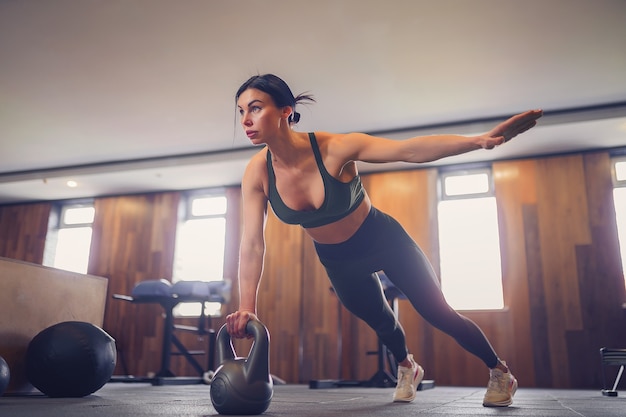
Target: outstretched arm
x,y
251,252
362,147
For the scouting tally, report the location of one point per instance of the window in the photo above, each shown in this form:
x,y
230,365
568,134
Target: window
x,y
69,238
200,243
469,242
619,198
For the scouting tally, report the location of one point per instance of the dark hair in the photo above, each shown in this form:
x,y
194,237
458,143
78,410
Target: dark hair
x,y
278,90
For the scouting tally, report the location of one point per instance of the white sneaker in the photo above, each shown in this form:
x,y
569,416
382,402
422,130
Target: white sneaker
x,y
501,388
408,381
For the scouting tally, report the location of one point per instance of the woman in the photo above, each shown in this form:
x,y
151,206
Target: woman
x,y
312,180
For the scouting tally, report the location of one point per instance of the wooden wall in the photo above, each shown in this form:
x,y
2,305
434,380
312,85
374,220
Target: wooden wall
x,y
562,277
23,229
564,286
133,240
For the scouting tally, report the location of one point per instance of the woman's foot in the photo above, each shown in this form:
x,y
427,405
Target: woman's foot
x,y
501,388
409,379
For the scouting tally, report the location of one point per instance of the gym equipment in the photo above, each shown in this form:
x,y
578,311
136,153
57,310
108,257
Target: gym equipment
x,y
168,296
612,357
5,375
70,359
242,385
382,378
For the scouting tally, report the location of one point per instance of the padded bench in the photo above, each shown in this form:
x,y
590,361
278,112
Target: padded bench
x,y
169,295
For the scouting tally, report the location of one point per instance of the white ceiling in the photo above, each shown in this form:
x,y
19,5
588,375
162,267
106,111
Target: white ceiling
x,y
128,96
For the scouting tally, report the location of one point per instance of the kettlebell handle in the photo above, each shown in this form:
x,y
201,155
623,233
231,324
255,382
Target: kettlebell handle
x,y
257,362
257,330
254,327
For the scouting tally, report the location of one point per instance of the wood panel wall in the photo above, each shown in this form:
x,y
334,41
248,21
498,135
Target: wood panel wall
x,y
23,229
562,279
280,296
133,240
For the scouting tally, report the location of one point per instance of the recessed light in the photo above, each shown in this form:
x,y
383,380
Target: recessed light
x,y
72,184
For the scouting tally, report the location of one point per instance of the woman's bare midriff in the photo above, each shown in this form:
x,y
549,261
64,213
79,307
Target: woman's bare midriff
x,y
343,229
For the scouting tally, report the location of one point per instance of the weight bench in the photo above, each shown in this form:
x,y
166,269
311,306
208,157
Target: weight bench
x,y
162,292
612,357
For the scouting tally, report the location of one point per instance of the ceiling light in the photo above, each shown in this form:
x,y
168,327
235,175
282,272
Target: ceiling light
x,y
72,184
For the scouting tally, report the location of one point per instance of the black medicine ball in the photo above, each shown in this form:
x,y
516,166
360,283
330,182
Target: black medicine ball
x,y
70,359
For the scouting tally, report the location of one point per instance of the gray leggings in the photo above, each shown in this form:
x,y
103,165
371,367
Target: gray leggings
x,y
381,244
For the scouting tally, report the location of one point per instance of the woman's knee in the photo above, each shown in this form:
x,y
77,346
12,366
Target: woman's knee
x,y
447,320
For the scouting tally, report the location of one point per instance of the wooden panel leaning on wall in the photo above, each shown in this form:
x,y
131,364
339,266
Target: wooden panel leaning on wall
x,y
34,297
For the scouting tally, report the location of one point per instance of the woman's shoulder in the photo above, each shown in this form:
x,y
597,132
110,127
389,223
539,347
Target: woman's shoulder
x,y
339,137
327,140
257,164
255,175
340,144
327,136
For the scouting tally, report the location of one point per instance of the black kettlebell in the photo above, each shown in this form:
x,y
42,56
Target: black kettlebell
x,y
242,385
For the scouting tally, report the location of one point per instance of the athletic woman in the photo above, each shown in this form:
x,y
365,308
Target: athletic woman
x,y
311,179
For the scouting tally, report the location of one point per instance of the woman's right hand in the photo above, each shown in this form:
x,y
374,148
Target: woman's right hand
x,y
236,323
510,128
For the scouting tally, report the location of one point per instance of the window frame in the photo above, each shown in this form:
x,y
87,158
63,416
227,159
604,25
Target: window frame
x,y
57,222
617,183
186,214
452,172
614,161
68,206
481,168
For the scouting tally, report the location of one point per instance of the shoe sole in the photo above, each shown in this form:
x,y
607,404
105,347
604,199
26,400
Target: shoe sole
x,y
416,382
504,403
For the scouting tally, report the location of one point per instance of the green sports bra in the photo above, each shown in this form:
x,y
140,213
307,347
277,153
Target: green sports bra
x,y
340,198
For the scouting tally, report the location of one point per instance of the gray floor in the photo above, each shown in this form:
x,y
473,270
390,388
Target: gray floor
x,y
124,399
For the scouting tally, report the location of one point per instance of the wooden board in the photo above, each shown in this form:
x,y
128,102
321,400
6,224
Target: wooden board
x,y
34,297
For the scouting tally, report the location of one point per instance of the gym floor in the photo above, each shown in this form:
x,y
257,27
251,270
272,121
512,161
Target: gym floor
x,y
139,399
